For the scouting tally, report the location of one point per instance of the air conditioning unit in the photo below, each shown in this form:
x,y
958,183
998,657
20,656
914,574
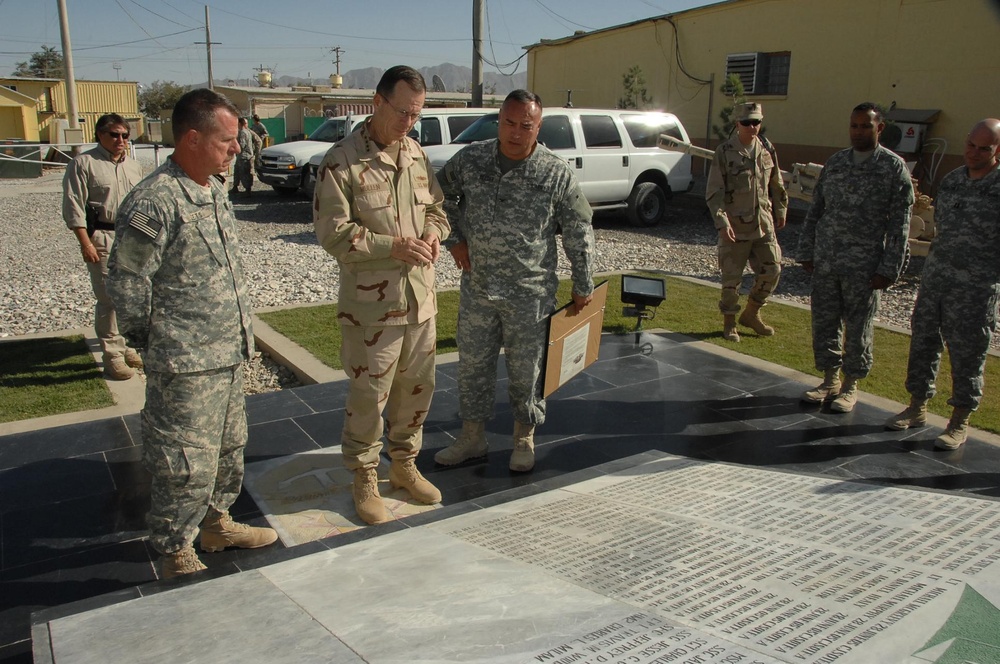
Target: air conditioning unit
x,y
911,139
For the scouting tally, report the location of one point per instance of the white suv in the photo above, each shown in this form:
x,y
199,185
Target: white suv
x,y
436,126
614,154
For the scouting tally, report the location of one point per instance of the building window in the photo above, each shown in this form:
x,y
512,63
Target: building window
x,y
761,73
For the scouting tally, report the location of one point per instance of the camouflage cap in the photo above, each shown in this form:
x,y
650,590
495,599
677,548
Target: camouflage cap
x,y
749,111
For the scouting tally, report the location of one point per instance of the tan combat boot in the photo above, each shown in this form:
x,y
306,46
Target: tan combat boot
x,y
829,388
403,474
914,416
471,444
116,369
133,359
181,562
729,331
219,531
847,398
522,459
956,432
751,318
367,500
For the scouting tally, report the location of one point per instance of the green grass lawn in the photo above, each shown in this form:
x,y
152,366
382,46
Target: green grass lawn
x,y
690,309
40,377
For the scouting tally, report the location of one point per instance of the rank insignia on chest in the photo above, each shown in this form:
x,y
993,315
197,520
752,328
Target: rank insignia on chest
x,y
145,224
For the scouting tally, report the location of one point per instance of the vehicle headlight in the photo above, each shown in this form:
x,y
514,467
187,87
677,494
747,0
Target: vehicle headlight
x,y
285,160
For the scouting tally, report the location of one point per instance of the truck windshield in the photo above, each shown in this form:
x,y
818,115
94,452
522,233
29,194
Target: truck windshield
x,y
330,131
482,129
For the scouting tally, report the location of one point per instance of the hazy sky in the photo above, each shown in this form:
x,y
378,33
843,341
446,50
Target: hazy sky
x,y
147,40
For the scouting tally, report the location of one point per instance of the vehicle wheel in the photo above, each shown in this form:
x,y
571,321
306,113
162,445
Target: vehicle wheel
x,y
647,204
285,191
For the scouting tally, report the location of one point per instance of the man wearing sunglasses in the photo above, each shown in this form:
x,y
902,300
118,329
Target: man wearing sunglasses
x,y
748,203
853,243
93,188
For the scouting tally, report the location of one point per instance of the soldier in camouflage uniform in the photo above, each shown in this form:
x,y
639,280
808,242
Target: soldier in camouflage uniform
x,y
959,288
748,203
853,243
508,198
378,210
177,282
93,187
243,167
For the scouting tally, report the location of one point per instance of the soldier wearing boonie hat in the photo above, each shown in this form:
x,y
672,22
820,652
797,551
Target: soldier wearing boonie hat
x,y
748,203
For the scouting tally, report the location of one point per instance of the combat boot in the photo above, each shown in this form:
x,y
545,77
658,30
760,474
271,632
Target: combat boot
x,y
403,474
367,501
133,359
116,369
219,531
956,432
848,396
729,331
522,459
471,444
829,388
914,416
751,318
181,562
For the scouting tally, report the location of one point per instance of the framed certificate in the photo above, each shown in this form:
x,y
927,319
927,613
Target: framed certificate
x,y
574,340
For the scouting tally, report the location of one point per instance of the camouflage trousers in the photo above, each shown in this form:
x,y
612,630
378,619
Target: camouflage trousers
x,y
843,322
390,369
521,327
963,318
194,429
242,174
764,256
105,319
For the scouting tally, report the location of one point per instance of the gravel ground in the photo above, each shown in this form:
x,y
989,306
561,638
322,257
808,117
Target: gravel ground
x,y
46,287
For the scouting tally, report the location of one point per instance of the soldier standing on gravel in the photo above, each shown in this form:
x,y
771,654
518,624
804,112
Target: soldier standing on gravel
x,y
853,243
508,199
243,168
177,280
93,187
378,210
749,203
959,288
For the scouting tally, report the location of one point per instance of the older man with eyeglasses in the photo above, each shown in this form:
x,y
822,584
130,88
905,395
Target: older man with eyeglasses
x,y
93,188
748,204
378,210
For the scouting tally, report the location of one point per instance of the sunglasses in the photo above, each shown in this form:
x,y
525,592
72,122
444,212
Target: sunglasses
x,y
749,123
118,134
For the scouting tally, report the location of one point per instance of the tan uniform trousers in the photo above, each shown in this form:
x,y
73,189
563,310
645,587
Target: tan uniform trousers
x,y
391,369
764,256
105,320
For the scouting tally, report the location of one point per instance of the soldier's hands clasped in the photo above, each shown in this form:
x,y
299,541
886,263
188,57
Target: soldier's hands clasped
x,y
412,251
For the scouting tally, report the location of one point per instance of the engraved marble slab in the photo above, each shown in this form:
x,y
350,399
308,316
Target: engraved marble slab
x,y
307,496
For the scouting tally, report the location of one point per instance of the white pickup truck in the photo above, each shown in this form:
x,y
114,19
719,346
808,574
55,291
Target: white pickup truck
x,y
286,167
613,152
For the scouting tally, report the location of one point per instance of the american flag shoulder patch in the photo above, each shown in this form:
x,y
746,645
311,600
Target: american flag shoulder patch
x,y
145,224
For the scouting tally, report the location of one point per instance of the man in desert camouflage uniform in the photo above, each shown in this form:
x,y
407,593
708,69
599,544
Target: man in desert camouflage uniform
x,y
748,203
93,187
243,167
378,210
853,243
959,288
178,284
508,198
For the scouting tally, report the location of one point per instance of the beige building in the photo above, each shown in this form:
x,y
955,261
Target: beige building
x,y
809,62
93,98
18,118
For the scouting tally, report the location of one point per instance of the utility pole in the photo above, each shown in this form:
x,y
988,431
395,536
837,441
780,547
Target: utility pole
x,y
73,110
477,52
117,66
208,47
337,52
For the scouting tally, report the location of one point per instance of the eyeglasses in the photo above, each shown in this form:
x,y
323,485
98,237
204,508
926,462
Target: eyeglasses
x,y
118,134
749,123
404,115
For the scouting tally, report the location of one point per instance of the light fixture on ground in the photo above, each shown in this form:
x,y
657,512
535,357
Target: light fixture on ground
x,y
644,294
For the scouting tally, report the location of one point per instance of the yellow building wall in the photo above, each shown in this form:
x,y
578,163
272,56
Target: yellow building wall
x,y
922,54
94,99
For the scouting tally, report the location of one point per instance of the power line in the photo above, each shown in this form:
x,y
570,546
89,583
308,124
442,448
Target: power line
x,y
158,15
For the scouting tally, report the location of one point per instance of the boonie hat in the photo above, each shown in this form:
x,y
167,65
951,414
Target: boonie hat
x,y
749,111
